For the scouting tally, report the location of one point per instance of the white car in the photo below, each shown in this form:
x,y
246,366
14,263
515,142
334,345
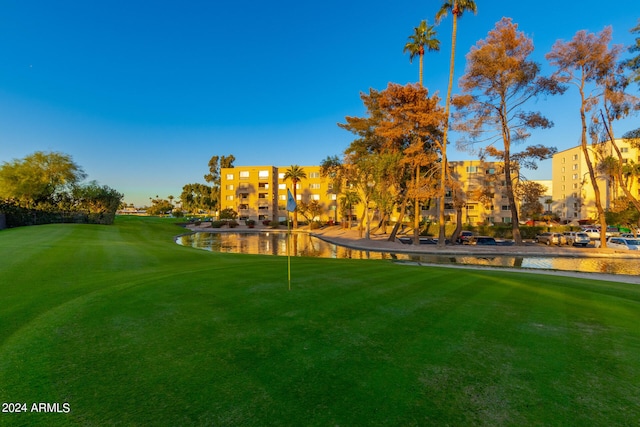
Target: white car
x,y
623,243
593,233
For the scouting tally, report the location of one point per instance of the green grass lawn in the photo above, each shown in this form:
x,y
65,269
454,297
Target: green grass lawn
x,y
128,328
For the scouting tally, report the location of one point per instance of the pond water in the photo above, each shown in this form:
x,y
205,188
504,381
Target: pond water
x,y
275,243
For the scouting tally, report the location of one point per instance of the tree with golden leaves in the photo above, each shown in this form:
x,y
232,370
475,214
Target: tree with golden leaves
x,y
412,124
498,82
399,118
582,62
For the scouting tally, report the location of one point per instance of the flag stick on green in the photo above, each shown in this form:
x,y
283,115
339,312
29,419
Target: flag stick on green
x,y
291,206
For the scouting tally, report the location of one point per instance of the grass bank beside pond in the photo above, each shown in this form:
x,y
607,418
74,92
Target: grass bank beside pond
x,y
128,328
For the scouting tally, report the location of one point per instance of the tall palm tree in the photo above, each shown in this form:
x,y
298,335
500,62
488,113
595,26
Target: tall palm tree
x,y
424,35
295,174
457,8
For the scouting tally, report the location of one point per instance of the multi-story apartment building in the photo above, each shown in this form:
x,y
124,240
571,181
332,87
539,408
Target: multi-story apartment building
x,y
573,195
313,187
260,192
250,191
483,193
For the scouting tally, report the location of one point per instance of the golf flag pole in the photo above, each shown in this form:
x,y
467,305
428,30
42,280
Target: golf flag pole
x,y
291,206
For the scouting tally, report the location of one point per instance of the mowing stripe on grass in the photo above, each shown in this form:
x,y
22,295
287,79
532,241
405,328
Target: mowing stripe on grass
x,y
129,328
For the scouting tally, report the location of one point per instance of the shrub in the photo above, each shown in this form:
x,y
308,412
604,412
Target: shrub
x,y
228,214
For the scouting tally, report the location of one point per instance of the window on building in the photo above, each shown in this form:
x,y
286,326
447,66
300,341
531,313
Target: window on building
x,y
282,186
282,197
575,157
575,185
471,207
564,160
574,176
333,196
624,149
229,177
563,178
505,207
263,174
506,220
563,169
490,171
315,197
243,195
575,167
262,195
244,174
472,169
314,175
281,175
229,187
562,187
314,186
229,197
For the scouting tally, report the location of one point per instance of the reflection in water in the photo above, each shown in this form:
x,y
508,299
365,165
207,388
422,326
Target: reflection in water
x,y
274,243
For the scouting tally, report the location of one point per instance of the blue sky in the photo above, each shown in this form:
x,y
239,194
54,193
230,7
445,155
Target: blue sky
x,y
141,94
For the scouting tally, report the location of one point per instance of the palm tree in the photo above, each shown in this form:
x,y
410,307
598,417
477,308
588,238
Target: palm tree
x,y
457,8
423,36
295,174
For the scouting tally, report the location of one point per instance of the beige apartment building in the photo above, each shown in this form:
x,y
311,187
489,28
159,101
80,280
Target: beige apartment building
x,y
260,192
483,193
572,193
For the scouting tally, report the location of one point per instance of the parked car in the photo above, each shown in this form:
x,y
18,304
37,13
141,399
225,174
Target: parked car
x,y
593,233
577,238
628,235
550,238
623,243
482,240
464,237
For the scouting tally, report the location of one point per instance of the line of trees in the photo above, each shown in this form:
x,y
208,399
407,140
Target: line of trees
x,y
47,187
399,155
198,197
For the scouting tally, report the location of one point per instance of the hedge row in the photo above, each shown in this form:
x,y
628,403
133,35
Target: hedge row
x,y
16,216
